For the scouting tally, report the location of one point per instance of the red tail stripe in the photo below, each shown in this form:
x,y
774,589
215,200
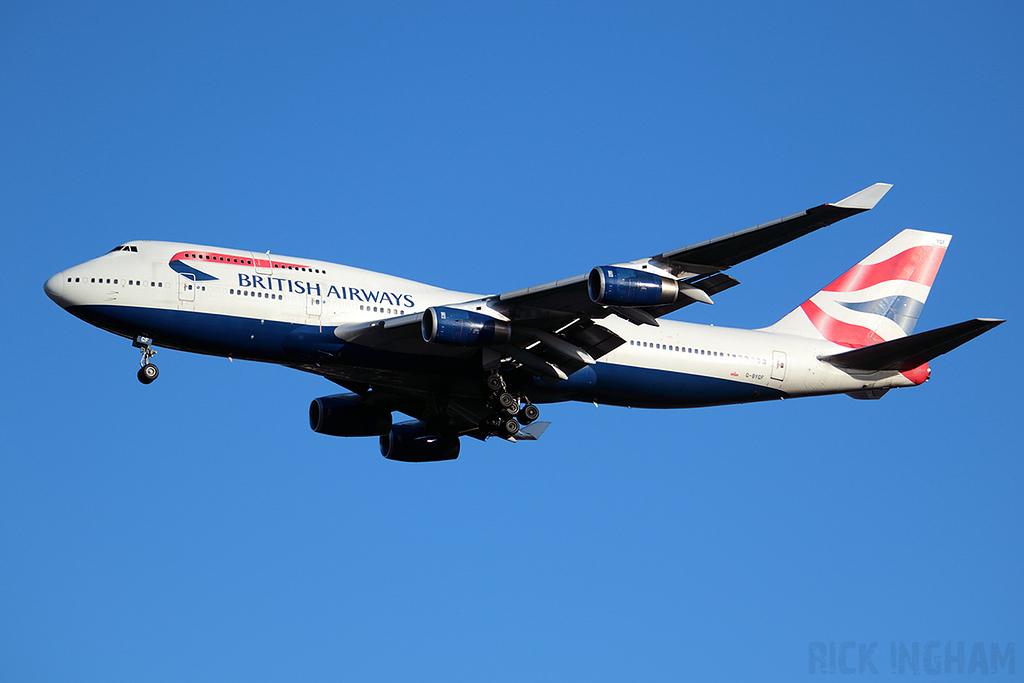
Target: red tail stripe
x,y
838,332
918,375
918,264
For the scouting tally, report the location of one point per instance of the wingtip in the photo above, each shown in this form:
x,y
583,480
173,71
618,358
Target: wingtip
x,y
866,198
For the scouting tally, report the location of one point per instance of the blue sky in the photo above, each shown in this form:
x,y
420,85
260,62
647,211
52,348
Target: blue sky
x,y
196,529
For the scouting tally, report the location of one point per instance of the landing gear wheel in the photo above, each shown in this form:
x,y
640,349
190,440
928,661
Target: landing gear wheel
x,y
494,382
508,403
148,373
510,427
529,414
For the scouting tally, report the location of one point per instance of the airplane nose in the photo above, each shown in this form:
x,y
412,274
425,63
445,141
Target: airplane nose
x,y
54,288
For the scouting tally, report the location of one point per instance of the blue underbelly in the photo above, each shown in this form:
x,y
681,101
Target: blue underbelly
x,y
625,385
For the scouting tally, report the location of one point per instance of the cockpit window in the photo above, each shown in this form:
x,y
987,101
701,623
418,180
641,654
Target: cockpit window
x,y
123,247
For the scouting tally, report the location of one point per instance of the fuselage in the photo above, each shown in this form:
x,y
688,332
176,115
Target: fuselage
x,y
281,309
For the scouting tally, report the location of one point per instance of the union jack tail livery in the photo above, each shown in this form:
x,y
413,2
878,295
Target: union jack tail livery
x,y
877,300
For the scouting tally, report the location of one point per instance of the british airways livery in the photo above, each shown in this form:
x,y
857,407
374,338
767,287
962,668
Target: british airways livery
x,y
462,364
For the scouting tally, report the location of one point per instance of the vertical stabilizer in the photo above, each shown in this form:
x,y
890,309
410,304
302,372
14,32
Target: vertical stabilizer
x,y
877,300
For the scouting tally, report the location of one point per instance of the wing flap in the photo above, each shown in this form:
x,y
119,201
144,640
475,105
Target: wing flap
x,y
584,334
710,284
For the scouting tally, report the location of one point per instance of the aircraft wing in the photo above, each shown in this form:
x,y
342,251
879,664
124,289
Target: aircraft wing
x,y
555,327
699,265
727,251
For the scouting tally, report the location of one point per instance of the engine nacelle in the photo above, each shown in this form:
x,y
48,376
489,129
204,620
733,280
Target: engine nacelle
x,y
619,286
347,415
413,442
456,327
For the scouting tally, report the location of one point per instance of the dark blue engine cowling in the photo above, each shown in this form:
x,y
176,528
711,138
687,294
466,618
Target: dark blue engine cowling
x,y
456,327
347,415
413,442
627,287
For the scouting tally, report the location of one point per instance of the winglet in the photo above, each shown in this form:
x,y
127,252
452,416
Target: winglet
x,y
866,198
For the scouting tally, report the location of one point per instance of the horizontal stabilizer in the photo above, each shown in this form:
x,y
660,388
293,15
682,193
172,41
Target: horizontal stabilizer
x,y
907,353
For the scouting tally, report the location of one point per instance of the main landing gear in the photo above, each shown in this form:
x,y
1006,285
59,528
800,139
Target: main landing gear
x,y
148,372
512,411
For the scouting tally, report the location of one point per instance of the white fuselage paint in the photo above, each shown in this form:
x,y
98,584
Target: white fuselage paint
x,y
312,292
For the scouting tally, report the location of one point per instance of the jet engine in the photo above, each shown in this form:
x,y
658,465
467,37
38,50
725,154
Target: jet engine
x,y
618,286
456,327
347,415
413,442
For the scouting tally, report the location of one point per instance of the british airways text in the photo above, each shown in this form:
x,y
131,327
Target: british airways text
x,y
281,284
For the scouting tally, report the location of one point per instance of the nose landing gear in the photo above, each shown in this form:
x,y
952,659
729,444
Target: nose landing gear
x,y
148,372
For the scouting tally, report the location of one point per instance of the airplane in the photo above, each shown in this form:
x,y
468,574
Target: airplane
x,y
462,364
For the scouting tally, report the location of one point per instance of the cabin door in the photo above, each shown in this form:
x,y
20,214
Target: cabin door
x,y
778,365
186,287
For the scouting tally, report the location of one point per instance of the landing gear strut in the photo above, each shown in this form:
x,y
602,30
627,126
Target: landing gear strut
x,y
512,410
148,372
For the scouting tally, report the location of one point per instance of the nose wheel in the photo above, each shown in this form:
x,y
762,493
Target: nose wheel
x,y
148,372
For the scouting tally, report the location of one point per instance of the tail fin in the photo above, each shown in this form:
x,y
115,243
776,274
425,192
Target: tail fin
x,y
877,300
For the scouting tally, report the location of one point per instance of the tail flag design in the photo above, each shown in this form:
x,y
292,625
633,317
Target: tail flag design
x,y
877,300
